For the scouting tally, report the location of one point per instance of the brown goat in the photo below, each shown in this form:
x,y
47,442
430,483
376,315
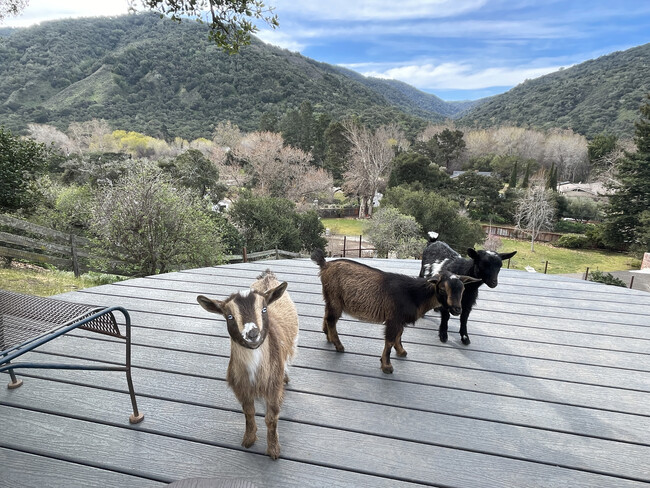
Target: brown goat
x,y
263,327
377,296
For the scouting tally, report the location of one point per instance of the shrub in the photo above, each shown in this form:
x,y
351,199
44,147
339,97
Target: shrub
x,y
606,278
389,230
573,241
273,223
436,213
571,226
153,227
492,243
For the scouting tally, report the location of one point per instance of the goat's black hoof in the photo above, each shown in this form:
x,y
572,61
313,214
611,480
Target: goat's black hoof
x,y
388,369
465,340
443,337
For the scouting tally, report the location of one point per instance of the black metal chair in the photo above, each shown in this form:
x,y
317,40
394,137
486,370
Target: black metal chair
x,y
27,322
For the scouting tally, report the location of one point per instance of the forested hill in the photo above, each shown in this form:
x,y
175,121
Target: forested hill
x,y
410,99
601,95
165,79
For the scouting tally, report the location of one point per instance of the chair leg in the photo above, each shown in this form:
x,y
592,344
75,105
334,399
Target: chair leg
x,y
15,382
136,417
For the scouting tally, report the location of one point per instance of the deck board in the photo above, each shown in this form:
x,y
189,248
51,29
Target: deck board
x,y
554,390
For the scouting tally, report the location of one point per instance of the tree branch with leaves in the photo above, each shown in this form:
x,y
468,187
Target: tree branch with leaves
x,y
231,22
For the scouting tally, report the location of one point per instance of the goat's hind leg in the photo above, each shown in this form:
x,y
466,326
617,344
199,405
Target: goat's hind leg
x,y
329,327
393,334
399,349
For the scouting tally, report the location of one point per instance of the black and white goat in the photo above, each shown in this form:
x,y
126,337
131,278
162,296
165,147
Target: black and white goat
x,y
484,265
263,327
380,297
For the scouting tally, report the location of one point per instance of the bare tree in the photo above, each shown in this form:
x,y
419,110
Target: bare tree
x,y
48,134
91,136
370,159
569,152
276,169
535,209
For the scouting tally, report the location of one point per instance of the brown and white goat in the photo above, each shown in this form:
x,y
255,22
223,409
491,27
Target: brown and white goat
x,y
263,327
380,297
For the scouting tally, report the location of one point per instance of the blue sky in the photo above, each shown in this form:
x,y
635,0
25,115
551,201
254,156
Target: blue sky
x,y
456,49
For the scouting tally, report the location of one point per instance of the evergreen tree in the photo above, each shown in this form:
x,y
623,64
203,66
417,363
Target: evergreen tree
x,y
524,183
551,179
513,177
623,222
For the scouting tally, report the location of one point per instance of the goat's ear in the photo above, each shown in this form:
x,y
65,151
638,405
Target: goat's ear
x,y
275,293
214,306
435,279
507,255
471,252
469,279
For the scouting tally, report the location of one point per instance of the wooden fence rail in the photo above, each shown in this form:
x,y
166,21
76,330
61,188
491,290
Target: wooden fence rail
x,y
278,253
67,251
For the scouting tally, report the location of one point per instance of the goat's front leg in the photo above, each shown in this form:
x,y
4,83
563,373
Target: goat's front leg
x,y
444,322
250,436
464,315
272,438
329,327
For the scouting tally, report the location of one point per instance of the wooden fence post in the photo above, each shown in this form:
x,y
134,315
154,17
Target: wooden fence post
x,y
344,239
245,258
545,267
587,273
632,281
75,260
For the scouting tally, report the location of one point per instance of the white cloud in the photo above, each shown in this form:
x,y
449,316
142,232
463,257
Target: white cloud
x,y
280,39
447,76
368,10
41,10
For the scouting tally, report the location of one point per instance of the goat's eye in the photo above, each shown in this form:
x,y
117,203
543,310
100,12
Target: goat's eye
x,y
263,309
230,317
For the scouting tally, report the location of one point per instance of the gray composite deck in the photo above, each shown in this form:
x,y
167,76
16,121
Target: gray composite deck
x,y
553,391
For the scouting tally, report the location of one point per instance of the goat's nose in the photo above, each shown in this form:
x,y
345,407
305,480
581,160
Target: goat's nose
x,y
253,333
455,310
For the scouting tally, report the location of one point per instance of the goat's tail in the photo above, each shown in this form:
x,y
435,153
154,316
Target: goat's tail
x,y
433,236
318,256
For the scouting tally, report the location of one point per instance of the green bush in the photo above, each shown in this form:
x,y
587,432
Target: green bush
x,y
606,278
573,241
571,226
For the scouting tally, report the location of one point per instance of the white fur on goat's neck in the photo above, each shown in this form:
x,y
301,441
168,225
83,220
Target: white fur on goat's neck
x,y
437,266
252,358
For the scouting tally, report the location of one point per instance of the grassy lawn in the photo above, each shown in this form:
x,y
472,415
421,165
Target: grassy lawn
x,y
560,260
34,280
347,227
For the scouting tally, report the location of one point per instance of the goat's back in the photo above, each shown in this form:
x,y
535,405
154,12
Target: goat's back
x,y
283,317
438,251
371,294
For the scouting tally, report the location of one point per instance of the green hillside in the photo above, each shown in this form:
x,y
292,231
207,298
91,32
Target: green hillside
x,y
411,100
601,95
165,79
